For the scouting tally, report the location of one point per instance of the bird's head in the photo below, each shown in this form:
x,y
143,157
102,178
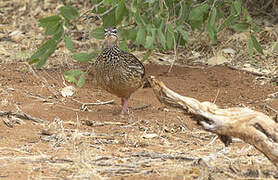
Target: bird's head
x,y
111,36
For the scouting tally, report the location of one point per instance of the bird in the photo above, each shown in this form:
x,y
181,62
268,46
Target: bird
x,y
118,72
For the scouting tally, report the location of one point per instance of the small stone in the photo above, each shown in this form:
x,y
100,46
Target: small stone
x,y
68,91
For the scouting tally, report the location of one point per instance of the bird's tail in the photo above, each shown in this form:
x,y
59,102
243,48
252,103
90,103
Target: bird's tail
x,y
147,83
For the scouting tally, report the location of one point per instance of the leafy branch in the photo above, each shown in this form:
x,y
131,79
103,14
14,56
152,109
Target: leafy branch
x,y
152,24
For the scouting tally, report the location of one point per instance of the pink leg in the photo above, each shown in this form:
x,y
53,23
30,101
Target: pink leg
x,y
124,105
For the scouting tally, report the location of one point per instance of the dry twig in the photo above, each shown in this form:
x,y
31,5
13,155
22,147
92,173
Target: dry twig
x,y
83,107
21,115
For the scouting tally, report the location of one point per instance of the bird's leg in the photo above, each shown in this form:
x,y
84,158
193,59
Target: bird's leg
x,y
124,105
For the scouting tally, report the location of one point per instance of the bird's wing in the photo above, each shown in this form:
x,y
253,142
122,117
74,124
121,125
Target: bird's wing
x,y
133,63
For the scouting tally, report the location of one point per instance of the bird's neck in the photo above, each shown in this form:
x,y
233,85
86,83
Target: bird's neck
x,y
111,46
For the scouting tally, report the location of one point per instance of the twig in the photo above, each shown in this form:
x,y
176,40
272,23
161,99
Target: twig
x,y
141,107
90,10
95,124
83,107
3,113
21,115
183,125
216,96
272,109
13,149
175,47
212,141
32,159
39,97
61,160
154,155
32,71
273,95
69,108
108,11
250,72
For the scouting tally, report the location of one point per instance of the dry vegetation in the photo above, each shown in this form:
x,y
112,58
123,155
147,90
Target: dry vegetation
x,y
46,135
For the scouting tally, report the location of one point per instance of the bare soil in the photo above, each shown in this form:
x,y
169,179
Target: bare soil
x,y
150,142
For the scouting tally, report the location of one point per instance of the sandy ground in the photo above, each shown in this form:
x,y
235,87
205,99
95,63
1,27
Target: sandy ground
x,y
151,141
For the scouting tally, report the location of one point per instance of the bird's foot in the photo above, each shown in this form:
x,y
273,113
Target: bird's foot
x,y
124,106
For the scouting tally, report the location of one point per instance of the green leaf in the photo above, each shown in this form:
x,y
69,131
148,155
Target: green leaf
x,y
275,46
153,31
75,76
50,19
182,14
81,80
107,2
51,24
139,19
34,60
46,55
242,27
141,36
255,28
132,34
149,42
41,55
212,34
42,50
183,33
162,38
98,33
170,28
59,33
198,15
120,11
147,55
68,43
231,19
212,17
109,19
170,39
256,44
69,12
123,46
82,57
95,2
249,19
52,28
250,48
237,5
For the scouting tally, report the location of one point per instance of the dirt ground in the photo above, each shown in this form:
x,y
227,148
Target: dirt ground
x,y
152,141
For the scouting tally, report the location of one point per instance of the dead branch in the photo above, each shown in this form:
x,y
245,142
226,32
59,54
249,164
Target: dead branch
x,y
25,159
21,115
154,155
96,124
84,105
251,126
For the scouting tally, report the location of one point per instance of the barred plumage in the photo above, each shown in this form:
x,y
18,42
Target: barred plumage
x,y
118,72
